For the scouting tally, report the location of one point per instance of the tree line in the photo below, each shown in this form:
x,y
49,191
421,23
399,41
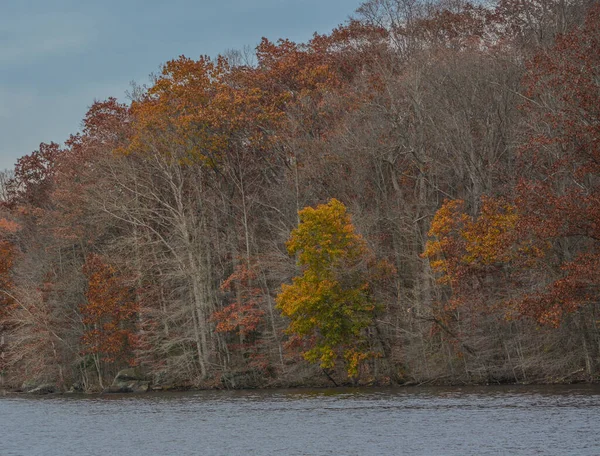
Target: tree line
x,y
412,198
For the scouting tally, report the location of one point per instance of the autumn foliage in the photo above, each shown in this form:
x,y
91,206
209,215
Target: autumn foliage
x,y
549,231
330,303
8,253
199,232
244,315
109,313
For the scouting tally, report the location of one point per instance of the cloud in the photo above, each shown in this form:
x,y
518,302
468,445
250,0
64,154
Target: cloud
x,y
27,39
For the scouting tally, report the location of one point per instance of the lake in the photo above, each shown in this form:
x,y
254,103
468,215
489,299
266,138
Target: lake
x,y
512,420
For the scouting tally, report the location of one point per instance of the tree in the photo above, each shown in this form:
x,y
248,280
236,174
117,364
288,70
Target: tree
x,y
532,24
168,219
243,317
330,304
8,252
559,196
535,253
31,184
109,315
476,256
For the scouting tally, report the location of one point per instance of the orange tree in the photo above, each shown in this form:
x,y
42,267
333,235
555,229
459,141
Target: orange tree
x,y
330,304
476,257
109,314
8,253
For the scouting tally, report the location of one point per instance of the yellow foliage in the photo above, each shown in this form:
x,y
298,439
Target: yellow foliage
x,y
489,238
330,302
462,246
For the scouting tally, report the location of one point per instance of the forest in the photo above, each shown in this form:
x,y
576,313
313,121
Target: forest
x,y
413,198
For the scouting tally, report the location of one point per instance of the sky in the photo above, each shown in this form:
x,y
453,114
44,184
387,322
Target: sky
x,y
58,56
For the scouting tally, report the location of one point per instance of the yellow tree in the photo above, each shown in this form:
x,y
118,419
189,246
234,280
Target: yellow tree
x,y
331,305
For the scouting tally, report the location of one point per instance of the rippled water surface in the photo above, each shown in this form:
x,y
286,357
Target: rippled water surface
x,y
408,421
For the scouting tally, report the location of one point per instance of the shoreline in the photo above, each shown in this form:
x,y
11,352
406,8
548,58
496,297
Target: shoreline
x,y
291,386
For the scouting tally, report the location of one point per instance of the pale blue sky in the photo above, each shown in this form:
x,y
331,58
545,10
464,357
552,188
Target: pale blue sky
x,y
57,56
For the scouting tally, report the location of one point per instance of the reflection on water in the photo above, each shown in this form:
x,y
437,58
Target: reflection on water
x,y
412,421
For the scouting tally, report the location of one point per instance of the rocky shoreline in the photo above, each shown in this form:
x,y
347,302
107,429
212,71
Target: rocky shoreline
x,y
133,381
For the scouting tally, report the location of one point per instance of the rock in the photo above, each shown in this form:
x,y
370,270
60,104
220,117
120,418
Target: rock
x,y
244,379
129,381
39,387
128,387
44,388
75,388
133,373
29,385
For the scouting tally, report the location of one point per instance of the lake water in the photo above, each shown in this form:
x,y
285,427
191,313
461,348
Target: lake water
x,y
404,421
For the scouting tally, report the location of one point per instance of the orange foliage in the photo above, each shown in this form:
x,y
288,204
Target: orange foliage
x,y
462,240
465,249
205,108
210,108
244,316
7,256
9,226
109,313
8,253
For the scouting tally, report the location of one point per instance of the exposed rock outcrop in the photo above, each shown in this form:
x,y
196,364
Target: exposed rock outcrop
x,y
44,388
129,381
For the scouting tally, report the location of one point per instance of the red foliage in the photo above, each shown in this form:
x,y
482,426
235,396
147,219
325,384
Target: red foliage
x,y
32,181
109,313
545,244
244,315
8,253
560,199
